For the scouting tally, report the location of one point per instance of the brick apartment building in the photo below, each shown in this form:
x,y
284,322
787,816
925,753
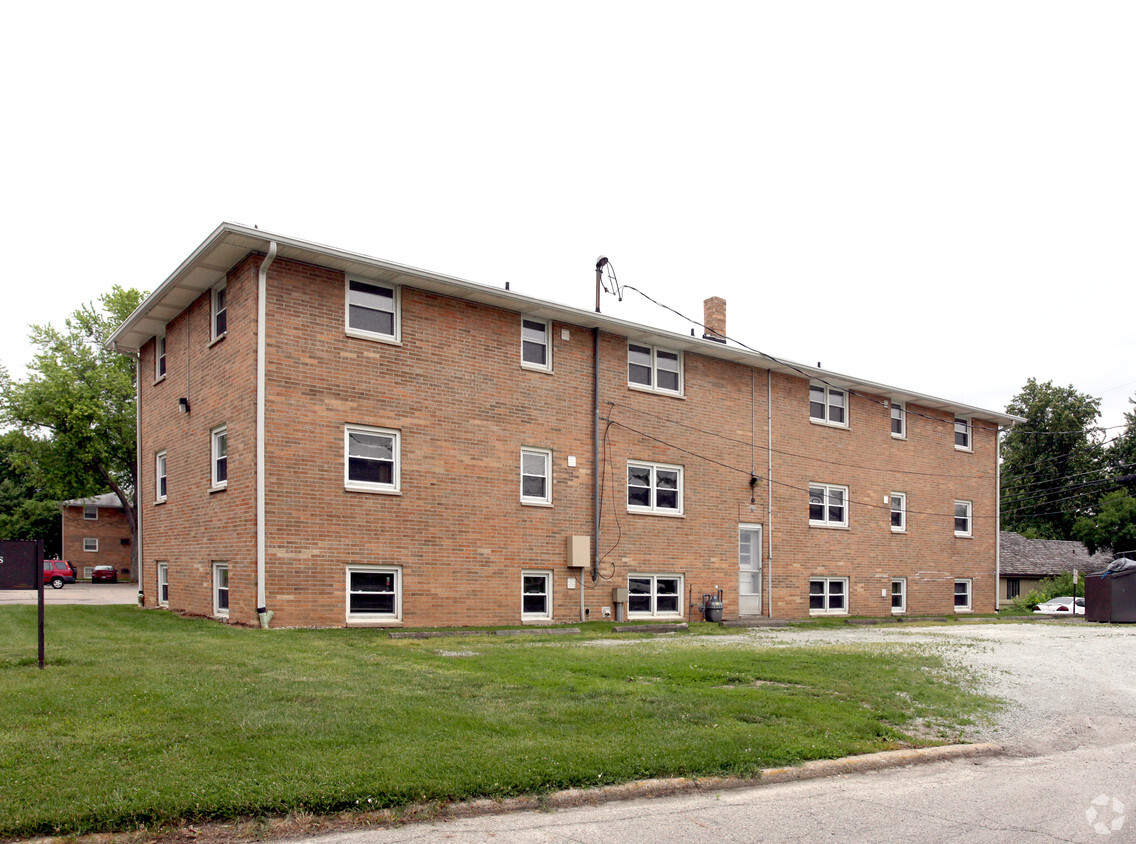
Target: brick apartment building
x,y
96,533
328,439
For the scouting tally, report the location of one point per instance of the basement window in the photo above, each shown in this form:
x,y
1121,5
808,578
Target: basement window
x,y
654,596
374,593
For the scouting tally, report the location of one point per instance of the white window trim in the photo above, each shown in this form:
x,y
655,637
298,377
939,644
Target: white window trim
x,y
378,619
159,356
214,436
969,434
902,435
828,405
93,518
969,594
161,470
547,615
969,532
394,339
91,539
827,595
654,612
163,580
825,523
395,486
536,367
217,610
902,609
532,500
214,335
654,386
653,509
902,496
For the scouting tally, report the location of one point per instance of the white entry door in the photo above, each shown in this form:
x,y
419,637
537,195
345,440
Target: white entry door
x,y
749,569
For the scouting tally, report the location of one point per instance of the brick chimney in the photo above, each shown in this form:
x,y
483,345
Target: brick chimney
x,y
714,319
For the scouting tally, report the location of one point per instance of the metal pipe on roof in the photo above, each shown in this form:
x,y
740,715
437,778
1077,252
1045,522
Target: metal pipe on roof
x,y
261,376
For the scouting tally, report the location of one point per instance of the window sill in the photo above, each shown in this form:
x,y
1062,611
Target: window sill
x,y
159,501
899,530
824,526
963,609
899,612
374,338
532,367
655,513
158,381
374,622
217,339
543,621
964,536
899,436
648,617
371,490
840,426
828,612
545,504
964,450
214,489
639,388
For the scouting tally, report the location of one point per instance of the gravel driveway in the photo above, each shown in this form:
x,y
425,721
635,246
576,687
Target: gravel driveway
x,y
1066,684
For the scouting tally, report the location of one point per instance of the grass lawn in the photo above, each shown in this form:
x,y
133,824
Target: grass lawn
x,y
145,718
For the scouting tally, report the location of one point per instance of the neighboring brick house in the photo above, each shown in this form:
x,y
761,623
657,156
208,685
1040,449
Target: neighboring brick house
x,y
96,533
367,443
1026,562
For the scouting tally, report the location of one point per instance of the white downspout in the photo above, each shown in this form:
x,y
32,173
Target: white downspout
x,y
261,370
998,521
138,472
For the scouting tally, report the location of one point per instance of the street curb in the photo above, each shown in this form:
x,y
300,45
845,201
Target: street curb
x,y
683,785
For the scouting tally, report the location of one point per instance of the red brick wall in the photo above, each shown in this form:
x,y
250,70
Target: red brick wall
x,y
110,529
195,527
455,390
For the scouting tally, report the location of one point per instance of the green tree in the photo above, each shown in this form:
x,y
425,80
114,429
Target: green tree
x,y
1113,526
1121,454
27,511
1052,462
76,407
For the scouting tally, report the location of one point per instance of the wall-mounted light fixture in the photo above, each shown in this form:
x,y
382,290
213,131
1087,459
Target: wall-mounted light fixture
x,y
183,405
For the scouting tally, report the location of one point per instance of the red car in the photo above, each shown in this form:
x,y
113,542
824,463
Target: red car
x,y
107,574
58,572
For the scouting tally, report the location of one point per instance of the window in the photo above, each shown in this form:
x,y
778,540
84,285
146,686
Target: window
x,y
221,590
536,595
90,543
898,595
160,476
536,351
898,512
962,434
163,585
1013,587
962,518
371,463
651,368
374,593
828,596
219,322
91,512
653,596
962,596
372,310
898,420
828,505
828,405
160,357
219,459
654,488
536,486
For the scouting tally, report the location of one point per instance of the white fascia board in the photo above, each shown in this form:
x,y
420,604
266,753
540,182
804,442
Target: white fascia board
x,y
231,242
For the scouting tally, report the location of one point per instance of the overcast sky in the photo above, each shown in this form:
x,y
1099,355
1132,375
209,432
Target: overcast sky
x,y
936,196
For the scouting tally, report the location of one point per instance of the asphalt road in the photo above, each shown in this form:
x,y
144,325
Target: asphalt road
x,y
1069,773
75,593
